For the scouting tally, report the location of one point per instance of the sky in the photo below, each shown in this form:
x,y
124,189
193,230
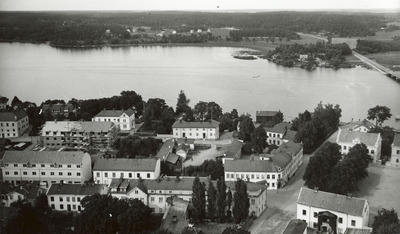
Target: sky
x,y
199,5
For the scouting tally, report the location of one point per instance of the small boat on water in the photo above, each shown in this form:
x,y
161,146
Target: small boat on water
x,y
256,76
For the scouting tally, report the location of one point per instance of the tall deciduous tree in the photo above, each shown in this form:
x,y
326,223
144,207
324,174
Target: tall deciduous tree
x,y
384,219
278,117
199,201
359,159
183,103
259,139
342,179
246,128
221,199
241,202
379,114
211,201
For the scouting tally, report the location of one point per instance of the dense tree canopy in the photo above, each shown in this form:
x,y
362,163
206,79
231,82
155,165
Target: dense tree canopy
x,y
259,139
182,105
379,114
206,111
210,167
386,222
133,146
241,202
198,200
246,128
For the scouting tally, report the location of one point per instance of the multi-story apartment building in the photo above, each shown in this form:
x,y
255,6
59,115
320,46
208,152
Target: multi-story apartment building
x,y
196,130
79,134
323,210
274,169
13,123
105,169
154,193
395,158
67,197
347,138
46,166
125,119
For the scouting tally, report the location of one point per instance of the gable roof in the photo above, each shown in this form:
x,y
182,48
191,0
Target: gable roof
x,y
396,140
233,149
330,201
77,189
115,113
12,115
205,124
166,148
290,147
266,113
249,166
280,127
281,159
295,226
348,136
290,135
125,164
172,158
59,157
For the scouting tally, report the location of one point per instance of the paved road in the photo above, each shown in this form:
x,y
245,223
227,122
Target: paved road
x,y
376,65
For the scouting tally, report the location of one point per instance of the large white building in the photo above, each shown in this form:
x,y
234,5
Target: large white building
x,y
155,193
46,166
13,123
68,197
280,133
274,169
196,130
348,138
125,119
395,158
106,169
333,210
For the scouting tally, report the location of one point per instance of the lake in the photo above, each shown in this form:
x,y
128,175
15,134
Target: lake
x,y
37,72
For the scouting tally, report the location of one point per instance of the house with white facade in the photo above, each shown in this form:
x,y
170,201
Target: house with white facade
x,y
24,191
68,197
155,193
359,126
274,169
124,119
107,169
13,123
347,138
46,166
280,133
328,211
395,157
196,130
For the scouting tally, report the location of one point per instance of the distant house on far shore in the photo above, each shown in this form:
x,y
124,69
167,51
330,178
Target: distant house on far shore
x,y
265,116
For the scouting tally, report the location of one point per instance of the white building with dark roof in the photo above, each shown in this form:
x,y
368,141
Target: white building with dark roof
x,y
347,138
68,197
333,210
13,123
107,169
125,119
196,130
276,134
395,158
46,166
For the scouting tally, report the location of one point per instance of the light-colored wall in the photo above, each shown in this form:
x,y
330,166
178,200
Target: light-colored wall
x,y
271,178
73,200
99,177
124,121
274,138
196,133
11,129
11,198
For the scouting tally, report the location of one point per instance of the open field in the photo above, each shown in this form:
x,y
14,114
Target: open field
x,y
388,59
383,36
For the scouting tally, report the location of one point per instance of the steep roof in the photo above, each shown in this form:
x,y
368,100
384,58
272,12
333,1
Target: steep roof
x,y
347,136
59,157
266,113
205,124
76,126
172,158
295,226
330,201
396,140
115,113
77,189
125,164
290,135
279,128
233,149
290,147
12,115
166,148
249,166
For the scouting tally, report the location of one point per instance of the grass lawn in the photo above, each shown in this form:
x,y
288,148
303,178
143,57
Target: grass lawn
x,y
389,59
383,36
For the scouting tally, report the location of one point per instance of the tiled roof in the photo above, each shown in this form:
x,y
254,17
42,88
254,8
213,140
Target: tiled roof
x,y
280,127
205,124
358,231
166,148
347,136
295,226
115,113
233,148
290,135
396,140
281,159
77,189
76,126
125,164
330,201
12,115
266,113
172,158
59,157
290,147
249,166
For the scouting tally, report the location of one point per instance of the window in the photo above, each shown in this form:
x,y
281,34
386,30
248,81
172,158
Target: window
x,y
33,172
78,166
78,199
98,174
137,175
33,165
252,176
51,198
67,199
69,174
315,225
7,172
69,166
61,207
315,215
136,192
304,212
79,208
160,199
23,165
130,175
51,173
61,199
52,206
74,207
15,165
353,223
152,199
105,174
340,220
398,151
73,199
267,177
113,175
372,151
273,176
43,173
42,165
15,172
397,160
344,147
25,173
148,175
78,174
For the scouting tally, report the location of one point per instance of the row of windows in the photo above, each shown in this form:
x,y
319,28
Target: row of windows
x,y
211,129
114,175
42,165
190,134
368,150
274,135
68,207
42,173
8,134
61,199
252,176
340,219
